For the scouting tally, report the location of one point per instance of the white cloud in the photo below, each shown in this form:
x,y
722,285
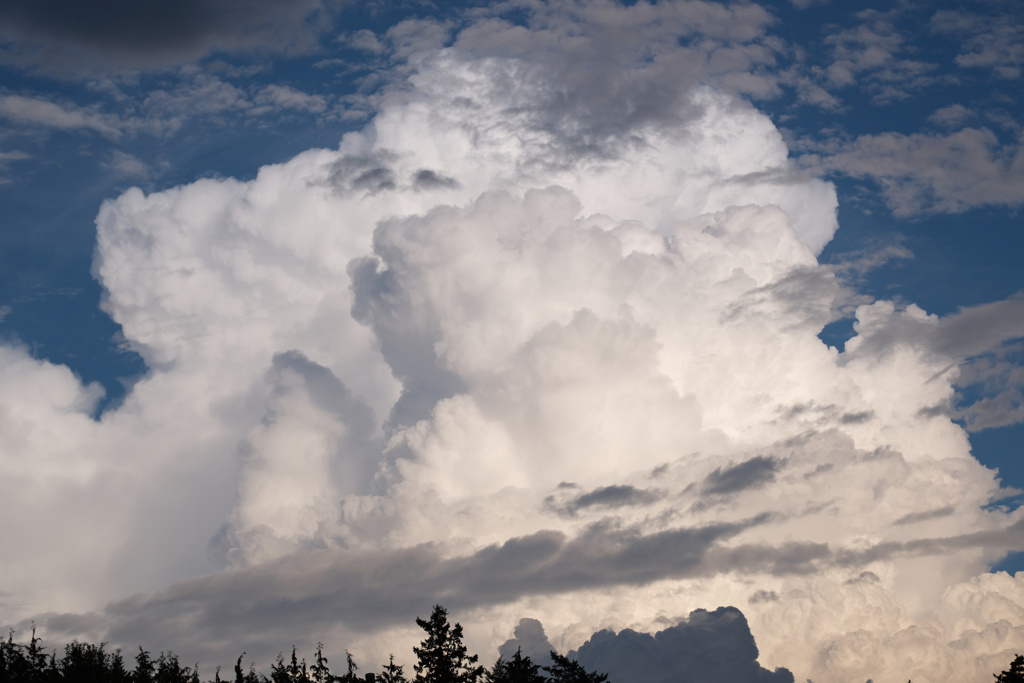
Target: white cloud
x,y
538,342
40,112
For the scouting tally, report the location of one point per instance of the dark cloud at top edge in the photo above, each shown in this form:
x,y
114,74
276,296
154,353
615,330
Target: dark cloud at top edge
x,y
73,36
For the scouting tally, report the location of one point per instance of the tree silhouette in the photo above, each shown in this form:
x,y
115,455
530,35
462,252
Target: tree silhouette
x,y
350,675
145,667
292,672
321,673
1015,674
564,670
249,677
392,673
518,669
442,656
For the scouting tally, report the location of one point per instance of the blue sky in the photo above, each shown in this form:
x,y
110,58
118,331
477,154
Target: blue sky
x,y
366,324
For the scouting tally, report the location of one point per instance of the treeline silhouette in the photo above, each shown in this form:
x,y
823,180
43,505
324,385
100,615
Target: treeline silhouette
x,y
441,657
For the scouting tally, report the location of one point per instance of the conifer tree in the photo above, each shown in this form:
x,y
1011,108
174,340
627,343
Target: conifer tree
x,y
518,669
442,656
321,672
565,670
249,677
1015,674
393,673
352,667
144,667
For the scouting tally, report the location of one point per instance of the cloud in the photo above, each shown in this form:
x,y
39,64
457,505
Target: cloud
x,y
615,496
6,158
871,55
952,116
62,36
998,379
706,646
987,41
127,165
933,173
381,374
754,472
40,112
529,637
284,97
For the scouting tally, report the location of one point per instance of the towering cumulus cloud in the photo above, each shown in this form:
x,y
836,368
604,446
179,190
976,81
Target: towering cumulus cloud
x,y
541,341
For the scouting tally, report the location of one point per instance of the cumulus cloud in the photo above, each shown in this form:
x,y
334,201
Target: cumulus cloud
x,y
530,639
538,341
706,646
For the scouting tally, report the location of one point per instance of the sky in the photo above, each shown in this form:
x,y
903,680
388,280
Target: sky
x,y
587,320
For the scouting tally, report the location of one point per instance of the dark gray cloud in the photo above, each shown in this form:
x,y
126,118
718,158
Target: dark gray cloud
x,y
857,418
425,179
614,496
915,517
763,596
1009,539
408,335
297,598
638,71
362,174
752,473
127,34
708,647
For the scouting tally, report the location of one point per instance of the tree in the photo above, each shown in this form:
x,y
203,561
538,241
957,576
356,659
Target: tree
x,y
519,669
86,663
28,663
564,670
392,673
321,672
251,676
1015,674
292,672
352,667
145,667
442,656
